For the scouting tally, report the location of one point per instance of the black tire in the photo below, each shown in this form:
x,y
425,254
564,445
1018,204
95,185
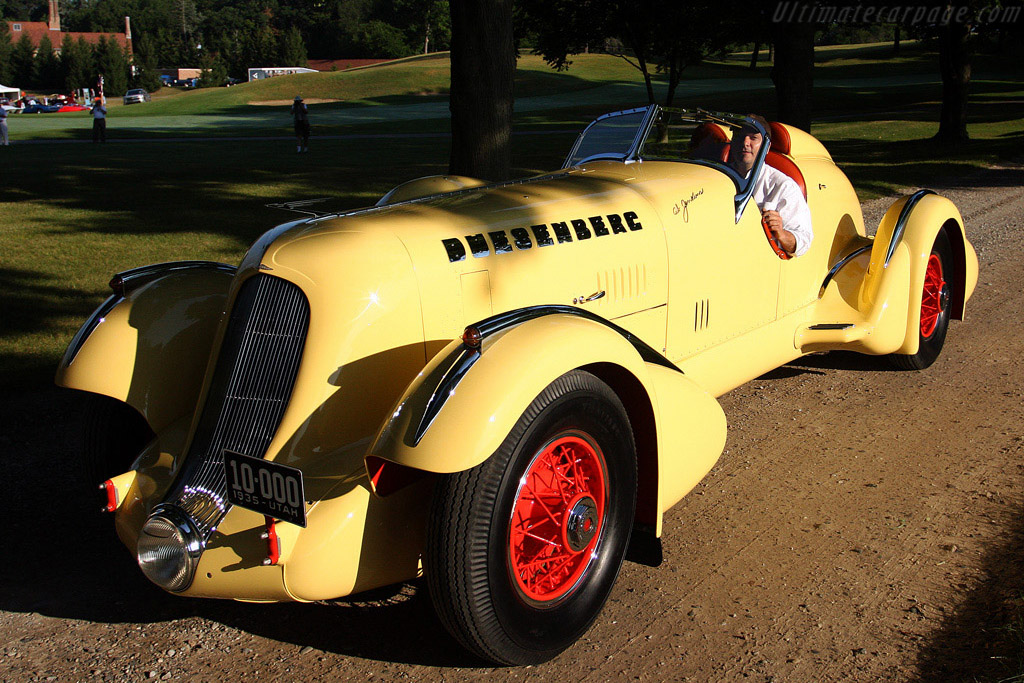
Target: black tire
x,y
471,551
931,336
114,435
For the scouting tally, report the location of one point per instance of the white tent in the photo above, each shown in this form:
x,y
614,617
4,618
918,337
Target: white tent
x,y
11,93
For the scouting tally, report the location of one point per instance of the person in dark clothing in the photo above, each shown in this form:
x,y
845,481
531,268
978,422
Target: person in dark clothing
x,y
301,117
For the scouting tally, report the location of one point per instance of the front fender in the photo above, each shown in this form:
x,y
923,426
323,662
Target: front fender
x,y
914,222
148,345
677,444
482,404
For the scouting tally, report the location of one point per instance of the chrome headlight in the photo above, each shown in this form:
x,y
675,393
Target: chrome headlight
x,y
169,549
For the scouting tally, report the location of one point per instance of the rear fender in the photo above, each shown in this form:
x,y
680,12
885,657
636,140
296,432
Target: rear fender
x,y
913,223
149,343
486,393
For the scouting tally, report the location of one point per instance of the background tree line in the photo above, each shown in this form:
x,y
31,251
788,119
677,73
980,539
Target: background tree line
x,y
77,66
231,35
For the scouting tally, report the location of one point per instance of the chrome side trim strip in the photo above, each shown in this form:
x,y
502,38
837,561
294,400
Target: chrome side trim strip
x,y
459,364
502,321
901,223
78,341
832,326
839,266
464,357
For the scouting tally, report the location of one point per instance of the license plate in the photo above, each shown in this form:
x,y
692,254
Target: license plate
x,y
266,487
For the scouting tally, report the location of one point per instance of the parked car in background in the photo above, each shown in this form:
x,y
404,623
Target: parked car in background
x,y
136,96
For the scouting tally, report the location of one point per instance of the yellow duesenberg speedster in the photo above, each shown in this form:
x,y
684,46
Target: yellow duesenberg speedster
x,y
500,386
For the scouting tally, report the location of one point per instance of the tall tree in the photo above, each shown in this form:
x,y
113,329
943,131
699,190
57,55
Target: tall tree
x,y
46,67
22,62
112,63
6,48
293,49
662,36
483,68
214,73
76,63
793,71
955,68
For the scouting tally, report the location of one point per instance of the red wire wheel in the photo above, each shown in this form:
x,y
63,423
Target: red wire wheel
x,y
522,550
935,311
557,518
931,297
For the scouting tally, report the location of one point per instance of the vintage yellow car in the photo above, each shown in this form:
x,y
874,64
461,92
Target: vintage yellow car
x,y
502,387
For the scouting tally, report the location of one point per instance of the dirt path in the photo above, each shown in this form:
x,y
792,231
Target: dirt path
x,y
863,525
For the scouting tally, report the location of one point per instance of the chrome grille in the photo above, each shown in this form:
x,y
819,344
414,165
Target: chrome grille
x,y
251,385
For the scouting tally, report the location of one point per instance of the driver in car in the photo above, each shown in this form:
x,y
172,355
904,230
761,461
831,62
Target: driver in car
x,y
783,207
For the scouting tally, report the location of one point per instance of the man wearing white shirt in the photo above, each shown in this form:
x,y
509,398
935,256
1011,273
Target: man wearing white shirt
x,y
99,121
783,207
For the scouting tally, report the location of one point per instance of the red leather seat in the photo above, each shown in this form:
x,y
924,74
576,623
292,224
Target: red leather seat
x,y
709,142
778,155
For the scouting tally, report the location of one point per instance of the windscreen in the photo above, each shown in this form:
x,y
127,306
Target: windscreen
x,y
612,136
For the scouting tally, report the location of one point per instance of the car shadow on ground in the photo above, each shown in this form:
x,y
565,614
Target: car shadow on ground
x,y
822,363
68,563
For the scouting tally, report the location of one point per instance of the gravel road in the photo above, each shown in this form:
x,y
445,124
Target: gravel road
x,y
863,525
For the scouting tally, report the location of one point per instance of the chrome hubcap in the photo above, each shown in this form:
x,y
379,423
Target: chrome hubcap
x,y
581,524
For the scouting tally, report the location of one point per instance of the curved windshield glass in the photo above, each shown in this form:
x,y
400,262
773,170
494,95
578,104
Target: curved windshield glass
x,y
611,136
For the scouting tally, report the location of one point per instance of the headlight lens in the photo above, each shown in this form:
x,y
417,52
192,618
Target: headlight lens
x,y
168,551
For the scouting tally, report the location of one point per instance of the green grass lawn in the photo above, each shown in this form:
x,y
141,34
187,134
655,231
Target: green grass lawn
x,y
76,213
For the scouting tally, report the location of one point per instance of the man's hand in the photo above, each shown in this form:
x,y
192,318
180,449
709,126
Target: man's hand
x,y
784,237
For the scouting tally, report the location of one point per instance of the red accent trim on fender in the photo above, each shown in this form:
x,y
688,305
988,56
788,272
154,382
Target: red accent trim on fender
x,y
273,542
111,491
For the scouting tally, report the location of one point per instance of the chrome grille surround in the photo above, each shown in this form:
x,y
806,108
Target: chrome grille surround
x,y
252,383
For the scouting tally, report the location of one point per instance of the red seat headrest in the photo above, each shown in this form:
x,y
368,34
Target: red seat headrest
x,y
710,142
781,141
781,162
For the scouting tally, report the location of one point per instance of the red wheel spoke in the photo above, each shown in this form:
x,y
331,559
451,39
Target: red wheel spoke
x,y
549,541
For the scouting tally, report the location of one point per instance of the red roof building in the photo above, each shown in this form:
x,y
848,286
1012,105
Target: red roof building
x,y
35,30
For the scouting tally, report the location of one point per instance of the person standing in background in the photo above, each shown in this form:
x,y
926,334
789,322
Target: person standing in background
x,y
3,126
301,116
99,121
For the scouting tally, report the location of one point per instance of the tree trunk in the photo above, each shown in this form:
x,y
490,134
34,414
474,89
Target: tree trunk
x,y
793,72
483,67
639,45
753,56
955,67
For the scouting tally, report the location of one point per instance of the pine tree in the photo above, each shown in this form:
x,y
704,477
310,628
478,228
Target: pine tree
x,y
76,64
293,49
21,63
46,66
214,73
5,57
112,63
